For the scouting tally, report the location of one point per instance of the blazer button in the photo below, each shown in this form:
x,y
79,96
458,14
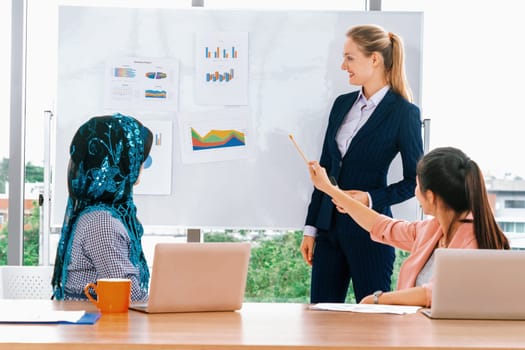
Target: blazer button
x,y
340,163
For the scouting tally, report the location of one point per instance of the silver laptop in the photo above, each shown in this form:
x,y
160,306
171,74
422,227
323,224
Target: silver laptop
x,y
478,284
196,277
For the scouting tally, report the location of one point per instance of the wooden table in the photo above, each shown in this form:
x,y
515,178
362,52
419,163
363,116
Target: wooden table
x,y
262,326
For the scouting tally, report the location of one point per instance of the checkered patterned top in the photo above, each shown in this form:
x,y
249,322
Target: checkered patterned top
x,y
101,249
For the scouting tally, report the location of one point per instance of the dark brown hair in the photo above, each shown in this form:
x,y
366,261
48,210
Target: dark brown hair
x,y
457,179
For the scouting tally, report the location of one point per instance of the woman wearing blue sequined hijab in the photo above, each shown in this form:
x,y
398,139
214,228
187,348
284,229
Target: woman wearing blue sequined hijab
x,y
101,235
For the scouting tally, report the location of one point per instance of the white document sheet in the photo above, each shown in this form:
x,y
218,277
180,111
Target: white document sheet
x,y
40,316
367,308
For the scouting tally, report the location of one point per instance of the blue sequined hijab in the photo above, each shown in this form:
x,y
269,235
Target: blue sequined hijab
x,y
106,155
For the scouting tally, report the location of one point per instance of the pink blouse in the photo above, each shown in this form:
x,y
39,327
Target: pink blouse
x,y
420,238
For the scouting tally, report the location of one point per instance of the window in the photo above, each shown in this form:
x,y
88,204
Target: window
x,y
507,227
515,203
512,227
459,70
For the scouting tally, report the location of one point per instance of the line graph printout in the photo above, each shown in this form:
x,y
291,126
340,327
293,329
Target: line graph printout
x,y
221,61
155,176
142,84
215,136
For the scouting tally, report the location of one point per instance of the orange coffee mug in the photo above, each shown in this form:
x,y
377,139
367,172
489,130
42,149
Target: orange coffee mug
x,y
113,294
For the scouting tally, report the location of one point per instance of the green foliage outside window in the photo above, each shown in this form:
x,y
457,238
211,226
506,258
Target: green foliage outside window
x,y
3,246
33,173
4,173
277,271
31,239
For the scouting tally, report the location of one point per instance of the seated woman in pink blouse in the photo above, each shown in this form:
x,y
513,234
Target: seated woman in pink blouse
x,y
450,188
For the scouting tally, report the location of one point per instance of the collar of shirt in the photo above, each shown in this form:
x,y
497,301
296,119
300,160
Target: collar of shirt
x,y
357,116
374,100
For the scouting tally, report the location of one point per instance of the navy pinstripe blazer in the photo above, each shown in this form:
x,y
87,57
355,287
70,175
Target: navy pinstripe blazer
x,y
394,126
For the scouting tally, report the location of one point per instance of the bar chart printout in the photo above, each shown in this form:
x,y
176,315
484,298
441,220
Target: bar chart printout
x,y
221,68
219,77
221,53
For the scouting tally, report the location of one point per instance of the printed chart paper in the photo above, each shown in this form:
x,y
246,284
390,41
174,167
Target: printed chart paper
x,y
142,84
155,177
221,61
215,136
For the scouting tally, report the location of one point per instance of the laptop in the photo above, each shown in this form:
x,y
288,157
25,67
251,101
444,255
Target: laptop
x,y
197,277
478,284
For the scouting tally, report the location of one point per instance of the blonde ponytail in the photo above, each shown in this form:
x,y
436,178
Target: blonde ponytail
x,y
396,75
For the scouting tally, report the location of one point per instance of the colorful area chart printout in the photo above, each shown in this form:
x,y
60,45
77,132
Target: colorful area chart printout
x,y
215,136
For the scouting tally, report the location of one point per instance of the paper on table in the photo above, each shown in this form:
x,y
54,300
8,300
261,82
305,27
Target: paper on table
x,y
40,316
367,308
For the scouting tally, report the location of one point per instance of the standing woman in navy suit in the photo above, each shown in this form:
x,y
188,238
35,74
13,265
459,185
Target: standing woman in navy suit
x,y
366,130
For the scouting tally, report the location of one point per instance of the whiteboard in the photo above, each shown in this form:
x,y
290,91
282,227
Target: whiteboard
x,y
294,77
